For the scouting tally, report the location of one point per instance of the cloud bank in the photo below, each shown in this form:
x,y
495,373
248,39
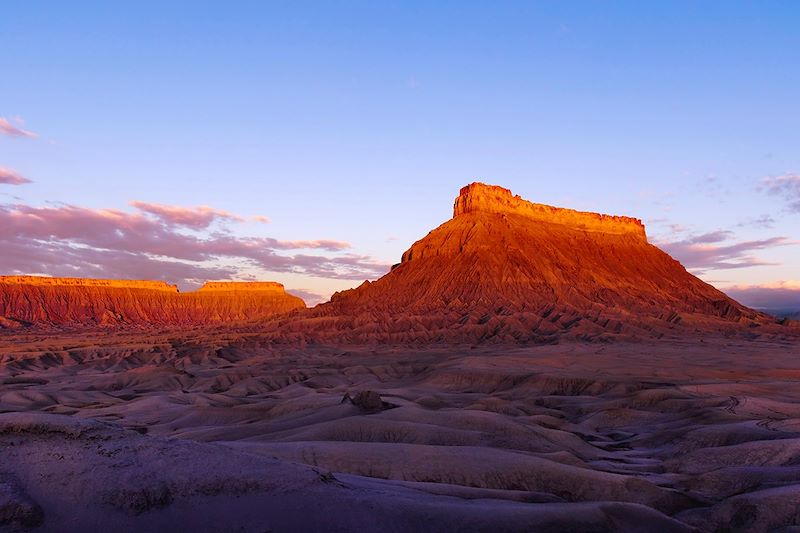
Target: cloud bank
x,y
710,251
191,217
160,242
779,296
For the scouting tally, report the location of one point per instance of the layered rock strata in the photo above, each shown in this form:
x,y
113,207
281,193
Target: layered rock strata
x,y
33,300
504,269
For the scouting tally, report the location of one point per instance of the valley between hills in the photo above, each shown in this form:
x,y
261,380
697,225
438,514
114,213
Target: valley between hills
x,y
523,368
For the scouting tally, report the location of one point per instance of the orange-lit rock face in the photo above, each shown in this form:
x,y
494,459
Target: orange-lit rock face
x,y
42,281
91,302
242,286
479,197
504,269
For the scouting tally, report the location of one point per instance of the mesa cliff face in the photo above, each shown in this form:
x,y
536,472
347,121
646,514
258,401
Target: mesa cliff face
x,y
503,269
261,287
26,300
482,198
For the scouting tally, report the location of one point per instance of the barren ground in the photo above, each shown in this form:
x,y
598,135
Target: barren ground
x,y
204,430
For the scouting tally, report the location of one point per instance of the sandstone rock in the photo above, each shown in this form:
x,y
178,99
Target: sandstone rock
x,y
117,303
507,270
44,281
479,197
242,286
7,323
368,400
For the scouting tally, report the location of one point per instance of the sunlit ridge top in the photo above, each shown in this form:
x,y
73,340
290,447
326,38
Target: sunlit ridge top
x,y
480,197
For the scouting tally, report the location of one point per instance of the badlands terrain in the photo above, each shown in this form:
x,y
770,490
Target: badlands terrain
x,y
523,368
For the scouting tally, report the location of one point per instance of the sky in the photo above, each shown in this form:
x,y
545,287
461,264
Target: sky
x,y
312,142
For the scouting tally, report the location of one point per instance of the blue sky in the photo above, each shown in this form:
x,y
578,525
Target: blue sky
x,y
357,122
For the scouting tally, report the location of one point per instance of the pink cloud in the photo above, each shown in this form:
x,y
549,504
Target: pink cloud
x,y
67,239
311,298
10,177
191,217
197,218
786,186
58,259
11,130
708,251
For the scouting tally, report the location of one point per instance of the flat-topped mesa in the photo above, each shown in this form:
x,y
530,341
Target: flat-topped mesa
x,y
46,281
74,302
209,286
479,197
506,270
244,286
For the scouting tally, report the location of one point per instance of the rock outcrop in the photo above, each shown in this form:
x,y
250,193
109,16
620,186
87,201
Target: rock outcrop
x,y
482,198
367,400
503,269
76,302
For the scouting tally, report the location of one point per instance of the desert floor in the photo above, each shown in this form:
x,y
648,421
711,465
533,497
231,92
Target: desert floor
x,y
206,431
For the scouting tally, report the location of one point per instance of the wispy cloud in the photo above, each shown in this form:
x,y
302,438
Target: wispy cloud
x,y
311,298
7,128
785,186
760,222
191,217
710,237
72,240
672,227
710,251
11,177
196,218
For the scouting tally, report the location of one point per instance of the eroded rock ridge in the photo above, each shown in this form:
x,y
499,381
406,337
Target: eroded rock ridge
x,y
504,269
38,300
